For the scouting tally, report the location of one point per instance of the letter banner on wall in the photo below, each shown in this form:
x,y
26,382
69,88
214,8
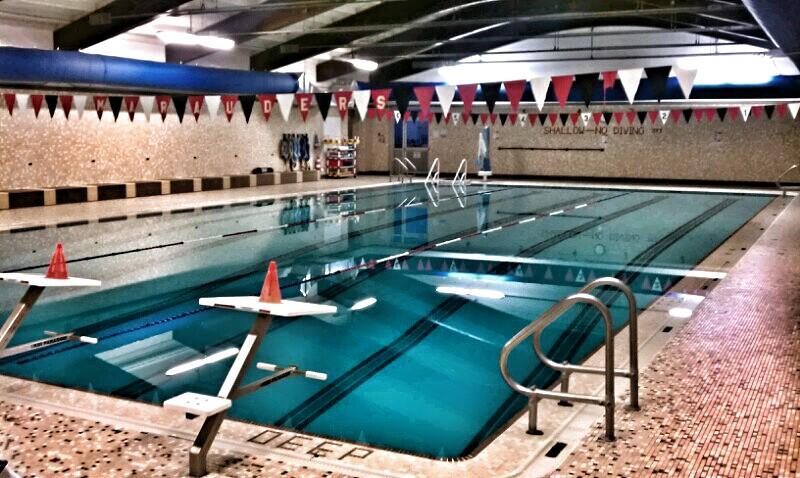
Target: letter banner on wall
x,y
342,99
162,104
304,104
381,99
228,105
99,105
361,99
131,103
285,102
266,102
196,106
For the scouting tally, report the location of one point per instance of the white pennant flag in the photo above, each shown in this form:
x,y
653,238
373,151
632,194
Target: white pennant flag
x,y
212,103
147,103
745,109
79,102
397,116
522,119
793,108
22,99
361,99
630,81
445,94
539,87
285,101
685,79
456,117
664,115
585,117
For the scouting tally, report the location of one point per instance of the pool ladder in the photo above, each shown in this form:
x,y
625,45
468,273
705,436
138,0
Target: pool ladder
x,y
564,397
783,188
460,178
404,171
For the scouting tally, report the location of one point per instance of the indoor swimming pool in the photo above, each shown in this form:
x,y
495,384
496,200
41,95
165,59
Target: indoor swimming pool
x,y
429,285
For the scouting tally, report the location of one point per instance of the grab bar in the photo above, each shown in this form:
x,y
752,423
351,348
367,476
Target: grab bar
x,y
778,181
433,173
410,163
401,175
461,176
564,397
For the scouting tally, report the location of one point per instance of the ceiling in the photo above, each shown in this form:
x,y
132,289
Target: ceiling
x,y
427,40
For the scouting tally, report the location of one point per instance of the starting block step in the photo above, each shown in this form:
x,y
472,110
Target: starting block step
x,y
197,404
40,280
286,308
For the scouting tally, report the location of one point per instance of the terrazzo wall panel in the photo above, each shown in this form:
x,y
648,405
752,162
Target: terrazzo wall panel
x,y
758,150
47,152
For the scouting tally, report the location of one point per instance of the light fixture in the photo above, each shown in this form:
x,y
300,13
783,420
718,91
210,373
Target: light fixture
x,y
680,312
195,364
364,303
191,39
362,64
480,293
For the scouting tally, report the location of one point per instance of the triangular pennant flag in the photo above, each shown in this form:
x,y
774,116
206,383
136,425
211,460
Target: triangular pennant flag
x,y
455,117
618,115
561,87
514,90
698,114
467,94
503,118
564,117
745,109
539,87
285,101
607,115
675,115
597,116
438,117
22,101
424,96
553,117
66,104
756,111
491,92
36,102
116,105
212,104
687,114
397,116
447,118
664,115
522,119
162,105
493,118
196,106
99,105
247,102
267,102
147,103
445,94
734,112
642,116
11,99
342,100
475,118
402,97
465,118
52,103
79,102
653,115
542,118
304,103
323,103
229,105
380,98
179,101
631,115
131,103
586,85
657,78
609,78
685,79
769,110
585,118
573,118
781,109
361,99
709,114
722,112
630,80
793,108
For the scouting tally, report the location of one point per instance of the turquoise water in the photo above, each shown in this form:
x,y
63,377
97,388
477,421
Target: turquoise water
x,y
418,370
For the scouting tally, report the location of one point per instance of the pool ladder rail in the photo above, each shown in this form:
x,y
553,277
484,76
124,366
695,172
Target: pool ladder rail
x,y
460,178
783,188
564,396
404,171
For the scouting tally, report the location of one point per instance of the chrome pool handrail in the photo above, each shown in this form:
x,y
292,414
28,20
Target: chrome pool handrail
x,y
411,164
461,176
401,175
781,186
433,173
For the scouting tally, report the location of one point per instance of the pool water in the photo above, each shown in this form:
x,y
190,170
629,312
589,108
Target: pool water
x,y
417,371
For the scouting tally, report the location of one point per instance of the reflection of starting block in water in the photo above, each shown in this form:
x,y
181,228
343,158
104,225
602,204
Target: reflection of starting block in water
x,y
214,409
56,276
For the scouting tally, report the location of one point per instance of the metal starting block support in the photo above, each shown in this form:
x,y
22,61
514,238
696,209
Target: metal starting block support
x,y
36,284
215,409
53,339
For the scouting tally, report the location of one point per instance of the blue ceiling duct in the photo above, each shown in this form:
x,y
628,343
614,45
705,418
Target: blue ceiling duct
x,y
31,68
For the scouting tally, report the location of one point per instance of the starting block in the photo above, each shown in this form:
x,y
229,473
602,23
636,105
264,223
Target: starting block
x,y
198,405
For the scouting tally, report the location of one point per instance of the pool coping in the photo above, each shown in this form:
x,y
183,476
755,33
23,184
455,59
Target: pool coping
x,y
509,453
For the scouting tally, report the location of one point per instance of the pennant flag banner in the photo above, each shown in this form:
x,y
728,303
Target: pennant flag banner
x,y
782,109
543,118
793,108
179,101
757,110
99,105
561,87
769,110
79,102
381,98
658,80
653,115
685,79
687,114
586,86
734,112
402,97
609,78
539,87
699,114
573,118
147,103
131,103
162,103
585,118
116,106
196,106
342,99
630,80
564,117
710,114
10,99
266,102
424,96
664,115
618,115
445,94
36,102
722,112
229,105
491,92
285,101
247,102
212,103
66,104
304,104
503,118
397,116
597,117
745,110
361,99
607,117
467,94
323,103
514,90
642,115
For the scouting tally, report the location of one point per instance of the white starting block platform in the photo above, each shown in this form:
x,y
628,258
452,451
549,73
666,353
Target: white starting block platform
x,y
197,404
39,280
286,308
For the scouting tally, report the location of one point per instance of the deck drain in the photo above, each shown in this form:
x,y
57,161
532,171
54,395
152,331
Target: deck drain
x,y
667,329
555,449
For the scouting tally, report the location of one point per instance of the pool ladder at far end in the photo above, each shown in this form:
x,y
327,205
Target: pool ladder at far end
x,y
564,396
404,171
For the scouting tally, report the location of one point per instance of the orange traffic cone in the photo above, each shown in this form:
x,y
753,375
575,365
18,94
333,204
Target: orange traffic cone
x,y
271,290
58,264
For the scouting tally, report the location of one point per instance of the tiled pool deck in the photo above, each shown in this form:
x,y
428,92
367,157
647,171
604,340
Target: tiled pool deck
x,y
721,399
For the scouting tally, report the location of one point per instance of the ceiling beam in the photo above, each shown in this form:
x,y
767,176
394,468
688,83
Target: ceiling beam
x,y
116,18
778,18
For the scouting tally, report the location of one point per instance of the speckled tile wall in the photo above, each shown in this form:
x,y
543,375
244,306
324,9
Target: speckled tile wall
x,y
758,150
47,152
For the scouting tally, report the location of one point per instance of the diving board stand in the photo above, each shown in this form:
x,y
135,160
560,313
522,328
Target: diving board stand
x,y
215,408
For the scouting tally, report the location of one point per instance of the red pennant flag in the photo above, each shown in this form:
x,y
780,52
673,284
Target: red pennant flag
x,y
493,118
266,102
99,105
618,115
10,99
229,105
631,117
653,115
467,93
513,119
196,105
675,115
464,117
424,96
514,90
573,117
381,98
756,111
598,117
561,86
553,118
782,109
609,77
532,119
342,99
733,112
304,103
131,103
698,114
66,104
447,118
162,103
710,115
36,102
484,118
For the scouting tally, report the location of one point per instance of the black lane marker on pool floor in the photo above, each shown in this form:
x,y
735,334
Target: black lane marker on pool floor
x,y
313,407
561,350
